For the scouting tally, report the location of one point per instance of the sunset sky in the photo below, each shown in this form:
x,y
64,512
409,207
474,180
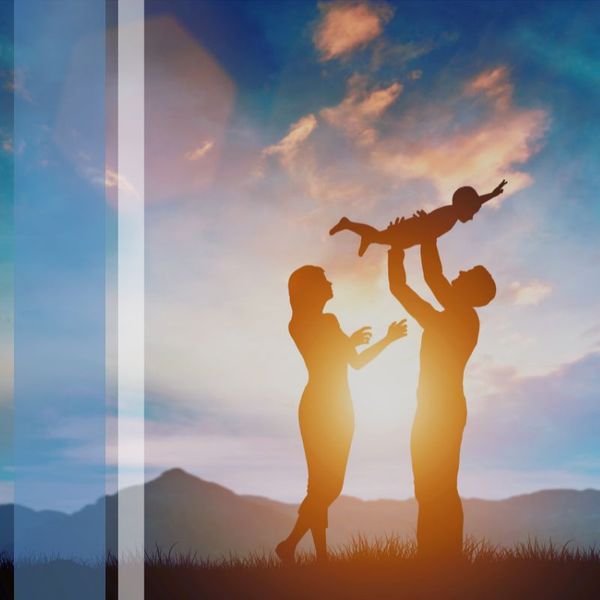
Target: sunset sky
x,y
265,124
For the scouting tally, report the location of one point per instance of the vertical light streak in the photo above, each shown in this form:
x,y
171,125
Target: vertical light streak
x,y
130,302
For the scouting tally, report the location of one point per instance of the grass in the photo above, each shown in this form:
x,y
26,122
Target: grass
x,y
380,569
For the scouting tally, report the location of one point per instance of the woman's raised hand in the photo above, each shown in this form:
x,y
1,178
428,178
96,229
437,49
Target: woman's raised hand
x,y
361,336
396,330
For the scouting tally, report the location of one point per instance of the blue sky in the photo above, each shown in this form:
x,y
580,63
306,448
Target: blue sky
x,y
56,147
265,126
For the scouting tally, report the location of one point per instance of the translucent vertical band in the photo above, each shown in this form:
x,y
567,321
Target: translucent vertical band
x,y
130,301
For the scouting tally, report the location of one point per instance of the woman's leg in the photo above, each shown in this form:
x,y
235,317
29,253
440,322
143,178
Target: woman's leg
x,y
286,549
297,533
328,490
326,437
313,512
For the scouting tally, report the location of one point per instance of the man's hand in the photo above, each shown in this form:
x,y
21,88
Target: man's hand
x,y
400,220
395,224
361,336
499,188
396,330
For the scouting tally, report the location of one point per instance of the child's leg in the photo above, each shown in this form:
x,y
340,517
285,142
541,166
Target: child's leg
x,y
345,224
368,234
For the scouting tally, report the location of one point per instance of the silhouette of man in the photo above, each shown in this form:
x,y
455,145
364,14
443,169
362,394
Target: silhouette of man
x,y
449,337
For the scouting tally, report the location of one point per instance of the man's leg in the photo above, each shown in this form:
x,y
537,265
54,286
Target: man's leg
x,y
451,504
424,489
319,535
427,533
435,449
453,542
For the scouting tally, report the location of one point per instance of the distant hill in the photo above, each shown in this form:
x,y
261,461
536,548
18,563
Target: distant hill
x,y
209,519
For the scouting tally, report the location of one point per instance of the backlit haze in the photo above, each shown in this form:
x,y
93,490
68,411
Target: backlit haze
x,y
264,126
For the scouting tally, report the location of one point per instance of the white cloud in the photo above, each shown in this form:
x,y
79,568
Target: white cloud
x,y
530,293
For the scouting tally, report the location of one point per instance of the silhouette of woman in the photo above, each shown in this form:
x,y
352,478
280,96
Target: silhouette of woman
x,y
326,414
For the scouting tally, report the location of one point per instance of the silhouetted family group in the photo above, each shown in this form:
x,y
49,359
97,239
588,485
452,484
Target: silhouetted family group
x,y
449,337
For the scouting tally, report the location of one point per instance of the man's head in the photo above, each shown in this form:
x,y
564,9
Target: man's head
x,y
467,203
475,286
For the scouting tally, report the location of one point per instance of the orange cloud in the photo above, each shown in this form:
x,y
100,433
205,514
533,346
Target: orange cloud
x,y
346,27
478,155
298,132
426,142
494,84
335,176
361,108
320,174
199,152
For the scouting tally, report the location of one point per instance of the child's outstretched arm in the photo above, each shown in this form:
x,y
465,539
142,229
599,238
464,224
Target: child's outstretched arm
x,y
495,192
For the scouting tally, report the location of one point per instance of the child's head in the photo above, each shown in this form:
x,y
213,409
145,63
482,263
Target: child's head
x,y
467,203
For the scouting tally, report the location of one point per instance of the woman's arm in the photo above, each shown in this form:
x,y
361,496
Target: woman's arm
x,y
395,332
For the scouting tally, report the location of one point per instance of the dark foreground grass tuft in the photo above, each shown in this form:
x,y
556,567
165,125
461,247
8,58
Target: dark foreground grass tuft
x,y
6,576
381,569
365,569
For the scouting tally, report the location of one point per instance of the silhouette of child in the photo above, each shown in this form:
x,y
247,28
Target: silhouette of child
x,y
404,233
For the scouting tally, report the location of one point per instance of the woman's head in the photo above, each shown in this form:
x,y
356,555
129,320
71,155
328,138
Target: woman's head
x,y
309,289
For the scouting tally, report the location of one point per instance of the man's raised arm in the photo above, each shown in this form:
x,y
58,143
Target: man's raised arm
x,y
418,308
433,273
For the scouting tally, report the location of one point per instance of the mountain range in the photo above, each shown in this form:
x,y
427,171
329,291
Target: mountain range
x,y
210,520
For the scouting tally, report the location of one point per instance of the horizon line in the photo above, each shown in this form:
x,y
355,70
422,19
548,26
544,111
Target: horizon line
x,y
244,495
